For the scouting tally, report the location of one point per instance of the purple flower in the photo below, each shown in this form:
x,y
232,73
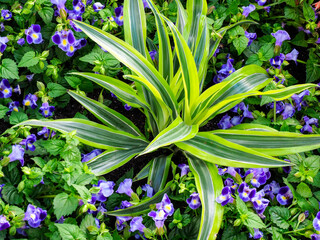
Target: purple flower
x,y
33,34
260,176
13,106
153,54
6,14
136,224
28,142
225,71
225,123
106,190
287,169
67,42
293,55
1,27
277,61
78,7
271,189
316,222
4,224
230,170
166,205
251,37
125,187
260,204
257,234
285,196
59,3
315,236
46,110
46,132
247,10
245,193
280,36
194,201
241,106
230,183
184,169
279,106
98,6
119,15
308,122
30,100
34,216
17,153
288,111
158,217
225,196
87,157
5,89
145,4
298,99
17,89
267,9
127,107
261,2
120,220
148,189
30,77
1,188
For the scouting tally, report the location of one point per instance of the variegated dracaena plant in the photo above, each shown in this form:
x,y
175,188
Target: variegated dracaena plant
x,y
172,98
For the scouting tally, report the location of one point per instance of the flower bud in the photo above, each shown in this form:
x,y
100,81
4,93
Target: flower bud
x,y
12,231
302,217
237,222
21,186
293,211
310,179
298,174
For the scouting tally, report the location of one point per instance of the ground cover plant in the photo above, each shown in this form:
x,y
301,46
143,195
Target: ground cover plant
x,y
209,101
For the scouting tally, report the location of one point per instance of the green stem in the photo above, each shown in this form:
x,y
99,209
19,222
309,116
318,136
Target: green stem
x,y
274,111
298,230
48,196
300,61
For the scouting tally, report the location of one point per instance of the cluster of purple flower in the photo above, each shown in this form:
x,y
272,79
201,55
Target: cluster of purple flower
x,y
228,122
225,71
67,42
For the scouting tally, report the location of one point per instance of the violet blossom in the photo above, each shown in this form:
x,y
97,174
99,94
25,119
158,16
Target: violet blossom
x,y
148,189
30,100
5,89
257,234
277,61
106,190
17,153
288,111
308,122
281,36
4,223
251,37
166,205
247,10
33,34
136,224
246,193
316,222
271,189
184,169
292,56
34,216
285,196
46,110
87,157
298,99
45,132
225,197
125,187
13,106
98,6
6,14
28,142
194,201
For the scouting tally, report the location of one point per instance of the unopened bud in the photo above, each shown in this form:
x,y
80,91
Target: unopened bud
x,y
302,217
237,222
310,179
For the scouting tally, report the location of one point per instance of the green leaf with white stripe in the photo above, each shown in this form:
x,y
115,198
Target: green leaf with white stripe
x,y
159,171
144,172
217,150
165,53
177,131
111,160
133,60
253,127
91,133
209,185
271,143
107,115
182,17
143,206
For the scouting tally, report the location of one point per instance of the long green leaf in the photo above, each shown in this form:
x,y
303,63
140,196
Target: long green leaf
x,y
214,149
177,131
143,206
182,17
209,185
159,171
91,133
133,60
111,160
271,143
144,172
107,115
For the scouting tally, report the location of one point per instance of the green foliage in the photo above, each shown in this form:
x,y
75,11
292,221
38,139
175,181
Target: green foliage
x,y
64,205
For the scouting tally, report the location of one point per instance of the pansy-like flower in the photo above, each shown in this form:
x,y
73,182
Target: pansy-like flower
x,y
46,110
279,106
288,111
45,132
251,37
13,106
285,196
230,170
271,189
158,217
119,15
226,122
67,42
6,14
292,56
29,141
225,196
30,77
281,36
287,169
245,193
4,223
98,6
125,187
194,201
242,107
120,220
3,43
259,203
34,216
261,2
184,169
33,34
257,234
298,99
153,54
148,189
127,107
136,224
145,4
30,100
315,236
308,122
316,222
247,10
260,176
106,190
277,61
17,153
78,7
225,71
59,3
5,89
87,157
230,183
166,205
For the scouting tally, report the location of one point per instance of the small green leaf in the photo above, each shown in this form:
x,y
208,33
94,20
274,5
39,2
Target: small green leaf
x,y
308,12
241,206
240,44
313,71
3,111
9,69
53,146
56,90
87,222
46,13
280,216
64,205
73,81
83,191
29,59
304,190
17,117
276,235
11,195
253,220
70,232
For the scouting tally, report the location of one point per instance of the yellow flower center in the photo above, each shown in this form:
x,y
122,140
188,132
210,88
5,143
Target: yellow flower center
x,y
35,36
64,42
33,216
6,91
16,109
195,201
46,112
121,18
27,103
71,48
168,207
